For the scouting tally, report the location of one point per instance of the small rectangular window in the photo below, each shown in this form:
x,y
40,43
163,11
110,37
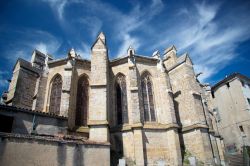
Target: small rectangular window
x,y
248,100
241,129
6,123
212,94
242,83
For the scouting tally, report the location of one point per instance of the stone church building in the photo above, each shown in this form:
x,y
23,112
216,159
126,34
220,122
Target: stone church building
x,y
146,110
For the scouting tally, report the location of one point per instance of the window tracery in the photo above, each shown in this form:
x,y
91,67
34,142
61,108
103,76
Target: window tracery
x,y
82,102
148,100
121,100
55,95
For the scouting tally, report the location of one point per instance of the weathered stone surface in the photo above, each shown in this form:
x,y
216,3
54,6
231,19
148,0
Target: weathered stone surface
x,y
47,153
182,121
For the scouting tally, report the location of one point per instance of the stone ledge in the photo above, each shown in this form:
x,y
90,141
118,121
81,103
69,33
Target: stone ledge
x,y
153,126
98,85
126,127
82,129
97,122
131,67
65,91
160,126
53,138
194,126
133,88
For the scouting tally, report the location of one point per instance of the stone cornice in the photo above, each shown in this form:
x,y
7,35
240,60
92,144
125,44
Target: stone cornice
x,y
138,59
146,126
193,127
57,62
98,85
160,126
82,129
118,61
52,138
97,122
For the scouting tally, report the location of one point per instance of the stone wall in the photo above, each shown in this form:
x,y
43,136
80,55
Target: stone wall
x,y
27,122
40,92
16,151
12,85
232,112
190,111
99,91
177,102
25,88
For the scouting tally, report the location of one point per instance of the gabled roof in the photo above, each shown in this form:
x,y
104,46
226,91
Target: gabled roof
x,y
181,59
138,58
39,52
169,49
64,61
27,65
57,60
18,109
229,78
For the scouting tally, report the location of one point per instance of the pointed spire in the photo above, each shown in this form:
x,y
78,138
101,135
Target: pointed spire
x,y
102,37
72,53
100,42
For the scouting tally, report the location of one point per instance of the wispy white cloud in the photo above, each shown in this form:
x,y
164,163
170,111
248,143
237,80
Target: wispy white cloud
x,y
57,6
136,20
202,32
210,35
3,79
92,23
122,24
83,51
28,40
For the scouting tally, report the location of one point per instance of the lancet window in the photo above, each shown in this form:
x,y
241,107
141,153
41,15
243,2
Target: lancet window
x,y
121,100
55,95
82,101
148,100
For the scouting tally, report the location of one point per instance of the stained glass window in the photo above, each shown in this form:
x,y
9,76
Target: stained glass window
x,y
121,100
55,96
82,102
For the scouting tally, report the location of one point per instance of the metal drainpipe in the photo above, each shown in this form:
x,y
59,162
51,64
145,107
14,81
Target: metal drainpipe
x,y
33,124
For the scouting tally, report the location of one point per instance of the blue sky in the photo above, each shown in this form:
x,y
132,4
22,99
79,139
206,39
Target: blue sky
x,y
216,34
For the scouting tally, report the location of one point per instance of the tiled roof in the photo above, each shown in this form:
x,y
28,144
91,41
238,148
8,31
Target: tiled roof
x,y
54,138
18,109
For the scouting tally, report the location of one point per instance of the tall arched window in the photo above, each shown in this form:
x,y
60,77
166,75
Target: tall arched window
x,y
55,95
148,100
82,101
121,100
